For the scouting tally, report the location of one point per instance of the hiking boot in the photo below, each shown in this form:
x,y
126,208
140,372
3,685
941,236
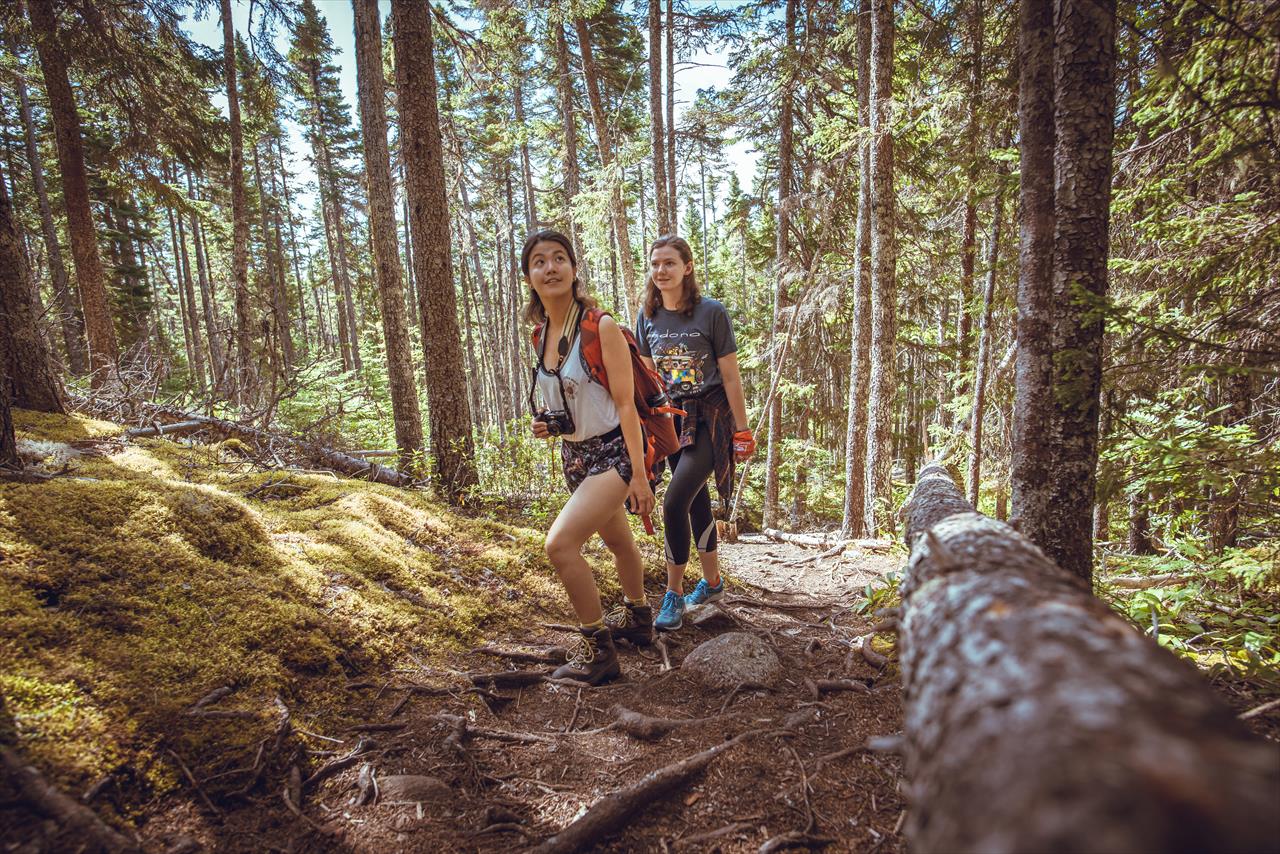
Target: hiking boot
x,y
704,593
671,617
631,622
592,658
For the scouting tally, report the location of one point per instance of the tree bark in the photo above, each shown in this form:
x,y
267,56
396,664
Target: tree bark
x,y
661,201
8,442
245,376
448,403
1037,719
855,521
90,276
189,300
984,350
884,258
382,225
526,169
968,243
773,458
274,269
671,118
1058,513
572,180
206,296
70,319
30,379
608,158
1032,458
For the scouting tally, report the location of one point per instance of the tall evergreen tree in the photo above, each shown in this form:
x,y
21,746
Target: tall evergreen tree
x,y
432,256
382,227
90,275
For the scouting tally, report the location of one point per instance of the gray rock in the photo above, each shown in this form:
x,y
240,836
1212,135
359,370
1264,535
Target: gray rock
x,y
411,788
731,659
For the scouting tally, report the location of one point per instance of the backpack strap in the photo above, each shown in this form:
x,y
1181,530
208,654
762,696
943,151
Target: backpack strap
x,y
592,351
537,337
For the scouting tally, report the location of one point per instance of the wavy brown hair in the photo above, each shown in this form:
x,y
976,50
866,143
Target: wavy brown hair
x,y
534,312
690,295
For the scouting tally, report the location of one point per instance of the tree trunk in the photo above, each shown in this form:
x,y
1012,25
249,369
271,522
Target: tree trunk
x,y
673,205
188,291
184,306
662,202
526,170
8,442
1032,458
448,404
572,181
282,270
855,521
884,258
984,350
245,381
382,227
70,319
30,378
773,459
1053,725
293,249
75,193
274,263
607,157
968,245
1057,514
1140,525
206,296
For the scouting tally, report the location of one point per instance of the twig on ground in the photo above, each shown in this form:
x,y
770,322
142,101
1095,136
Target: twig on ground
x,y
327,770
552,655
195,784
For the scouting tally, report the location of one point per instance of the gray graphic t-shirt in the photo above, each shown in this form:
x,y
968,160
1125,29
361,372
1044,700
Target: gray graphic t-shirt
x,y
685,349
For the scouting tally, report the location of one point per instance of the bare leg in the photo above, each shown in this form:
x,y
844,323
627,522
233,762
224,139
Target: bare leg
x,y
675,577
596,500
710,566
618,539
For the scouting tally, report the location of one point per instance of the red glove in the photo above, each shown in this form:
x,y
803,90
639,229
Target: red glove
x,y
744,445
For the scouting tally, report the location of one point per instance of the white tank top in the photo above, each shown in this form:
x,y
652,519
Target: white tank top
x,y
590,403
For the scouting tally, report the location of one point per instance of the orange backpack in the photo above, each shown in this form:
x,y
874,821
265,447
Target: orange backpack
x,y
652,404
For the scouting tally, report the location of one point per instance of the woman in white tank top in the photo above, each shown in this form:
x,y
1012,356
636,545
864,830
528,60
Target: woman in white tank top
x,y
602,452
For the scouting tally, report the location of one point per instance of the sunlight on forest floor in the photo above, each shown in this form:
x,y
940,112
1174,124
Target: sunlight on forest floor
x,y
152,573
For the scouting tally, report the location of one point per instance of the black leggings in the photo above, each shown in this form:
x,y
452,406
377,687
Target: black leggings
x,y
686,508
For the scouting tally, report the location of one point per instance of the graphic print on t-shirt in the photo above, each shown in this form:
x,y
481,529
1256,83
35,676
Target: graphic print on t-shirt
x,y
680,367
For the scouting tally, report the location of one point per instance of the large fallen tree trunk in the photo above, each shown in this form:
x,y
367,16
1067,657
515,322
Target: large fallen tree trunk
x,y
1037,719
185,422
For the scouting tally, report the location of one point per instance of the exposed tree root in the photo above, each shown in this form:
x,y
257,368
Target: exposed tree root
x,y
794,839
327,770
818,687
508,678
646,728
93,834
613,811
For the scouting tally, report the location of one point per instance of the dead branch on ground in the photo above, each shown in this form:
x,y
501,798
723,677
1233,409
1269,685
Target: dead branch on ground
x,y
32,787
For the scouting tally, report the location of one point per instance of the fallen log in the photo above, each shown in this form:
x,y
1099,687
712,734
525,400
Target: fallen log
x,y
1146,582
89,831
185,422
1038,719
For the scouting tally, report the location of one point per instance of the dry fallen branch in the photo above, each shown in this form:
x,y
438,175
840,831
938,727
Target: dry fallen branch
x,y
92,834
508,678
613,811
551,655
1145,582
327,770
647,728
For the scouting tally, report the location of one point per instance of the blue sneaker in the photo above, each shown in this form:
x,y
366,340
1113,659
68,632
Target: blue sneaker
x,y
671,617
704,593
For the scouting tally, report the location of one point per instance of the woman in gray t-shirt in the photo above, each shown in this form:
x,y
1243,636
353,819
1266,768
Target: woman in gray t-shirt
x,y
688,339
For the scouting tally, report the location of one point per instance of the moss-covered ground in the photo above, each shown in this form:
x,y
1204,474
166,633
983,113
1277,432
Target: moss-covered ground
x,y
150,573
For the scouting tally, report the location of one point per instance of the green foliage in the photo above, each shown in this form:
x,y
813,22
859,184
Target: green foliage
x,y
1218,612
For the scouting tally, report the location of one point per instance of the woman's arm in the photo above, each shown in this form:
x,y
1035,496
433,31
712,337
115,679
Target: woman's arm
x,y
617,364
732,379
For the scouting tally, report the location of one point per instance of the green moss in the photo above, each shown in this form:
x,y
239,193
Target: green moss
x,y
163,571
61,428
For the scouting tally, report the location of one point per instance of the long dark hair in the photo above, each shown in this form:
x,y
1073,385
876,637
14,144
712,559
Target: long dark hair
x,y
534,312
690,295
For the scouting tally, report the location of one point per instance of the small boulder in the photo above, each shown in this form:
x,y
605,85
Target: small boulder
x,y
731,659
411,788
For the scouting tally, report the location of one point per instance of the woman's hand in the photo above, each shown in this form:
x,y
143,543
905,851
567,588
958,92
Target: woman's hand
x,y
540,430
744,445
640,498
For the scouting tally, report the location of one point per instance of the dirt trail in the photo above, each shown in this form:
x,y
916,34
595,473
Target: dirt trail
x,y
521,764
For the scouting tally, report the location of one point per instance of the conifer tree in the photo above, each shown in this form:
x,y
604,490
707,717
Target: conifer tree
x,y
245,375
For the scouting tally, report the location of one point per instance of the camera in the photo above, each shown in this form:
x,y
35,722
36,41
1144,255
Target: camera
x,y
558,421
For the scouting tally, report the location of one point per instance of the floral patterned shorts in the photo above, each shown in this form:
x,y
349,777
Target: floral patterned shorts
x,y
591,456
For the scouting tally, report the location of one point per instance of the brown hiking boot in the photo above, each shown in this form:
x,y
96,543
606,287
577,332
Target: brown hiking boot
x,y
592,658
631,622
